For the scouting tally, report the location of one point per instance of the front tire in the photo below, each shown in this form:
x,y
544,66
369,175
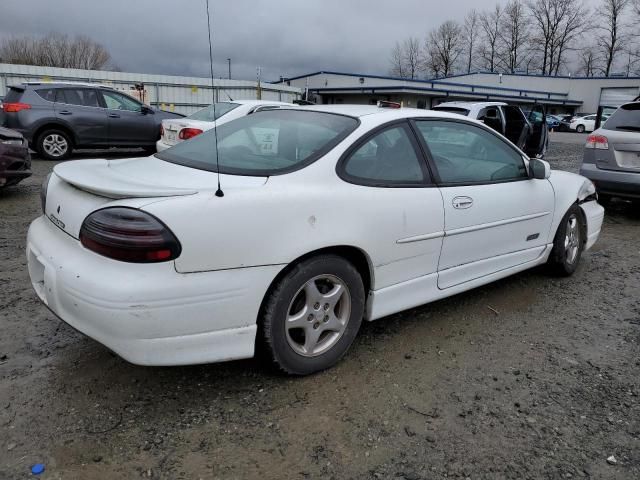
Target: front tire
x,y
568,243
580,129
54,144
312,315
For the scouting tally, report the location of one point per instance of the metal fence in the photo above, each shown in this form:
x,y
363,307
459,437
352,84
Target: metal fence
x,y
174,93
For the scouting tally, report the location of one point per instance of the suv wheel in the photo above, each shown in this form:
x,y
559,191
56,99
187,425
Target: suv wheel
x,y
54,145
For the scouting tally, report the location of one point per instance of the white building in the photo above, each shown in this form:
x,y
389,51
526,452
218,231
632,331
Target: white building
x,y
559,94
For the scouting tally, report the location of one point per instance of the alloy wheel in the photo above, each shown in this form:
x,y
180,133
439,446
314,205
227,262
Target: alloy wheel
x,y
55,145
318,315
572,239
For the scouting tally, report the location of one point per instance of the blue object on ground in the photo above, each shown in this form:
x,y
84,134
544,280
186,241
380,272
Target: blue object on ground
x,y
37,469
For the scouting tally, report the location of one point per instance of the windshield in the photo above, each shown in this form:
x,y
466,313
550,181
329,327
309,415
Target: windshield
x,y
264,143
206,114
627,117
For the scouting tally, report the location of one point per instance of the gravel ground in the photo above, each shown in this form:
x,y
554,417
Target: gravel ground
x,y
529,377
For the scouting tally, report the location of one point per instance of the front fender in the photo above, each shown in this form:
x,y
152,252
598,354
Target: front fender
x,y
567,189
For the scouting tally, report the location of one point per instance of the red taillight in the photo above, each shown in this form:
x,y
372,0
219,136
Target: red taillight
x,y
15,107
187,133
597,141
129,235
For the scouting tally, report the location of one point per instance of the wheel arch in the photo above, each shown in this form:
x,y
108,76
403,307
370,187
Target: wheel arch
x,y
356,256
51,126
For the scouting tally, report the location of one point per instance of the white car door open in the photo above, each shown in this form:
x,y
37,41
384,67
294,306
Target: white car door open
x,y
495,216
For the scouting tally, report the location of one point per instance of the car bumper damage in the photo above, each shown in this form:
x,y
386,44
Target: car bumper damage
x,y
15,164
149,314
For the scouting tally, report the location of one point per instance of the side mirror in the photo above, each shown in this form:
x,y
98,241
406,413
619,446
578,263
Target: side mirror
x,y
146,110
539,169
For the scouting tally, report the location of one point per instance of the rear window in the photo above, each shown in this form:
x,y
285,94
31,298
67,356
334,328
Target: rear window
x,y
266,143
207,114
78,96
14,95
627,117
458,110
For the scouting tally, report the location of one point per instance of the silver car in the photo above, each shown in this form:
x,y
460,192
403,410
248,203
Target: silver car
x,y
612,155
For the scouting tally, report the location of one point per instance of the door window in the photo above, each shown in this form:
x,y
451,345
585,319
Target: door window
x,y
85,97
387,158
117,101
464,153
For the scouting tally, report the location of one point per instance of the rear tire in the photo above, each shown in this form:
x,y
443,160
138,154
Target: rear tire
x,y
580,129
312,315
568,243
54,144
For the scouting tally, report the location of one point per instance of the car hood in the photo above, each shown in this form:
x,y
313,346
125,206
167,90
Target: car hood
x,y
145,177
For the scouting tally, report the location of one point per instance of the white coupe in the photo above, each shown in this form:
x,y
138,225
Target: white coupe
x,y
177,130
327,215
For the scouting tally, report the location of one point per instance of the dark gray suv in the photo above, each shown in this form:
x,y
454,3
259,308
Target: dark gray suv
x,y
55,118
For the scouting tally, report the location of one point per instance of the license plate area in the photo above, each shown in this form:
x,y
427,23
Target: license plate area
x,y
626,159
172,135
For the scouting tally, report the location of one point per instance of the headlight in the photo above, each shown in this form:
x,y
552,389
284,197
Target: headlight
x,y
588,189
12,141
43,192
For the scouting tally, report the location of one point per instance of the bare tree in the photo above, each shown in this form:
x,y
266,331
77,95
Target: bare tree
x,y
574,21
588,61
470,34
613,31
412,56
490,25
55,50
514,36
443,48
397,61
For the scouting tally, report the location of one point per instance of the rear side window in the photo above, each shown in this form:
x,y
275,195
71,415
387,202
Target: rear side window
x,y
48,94
386,159
13,95
467,154
85,97
627,117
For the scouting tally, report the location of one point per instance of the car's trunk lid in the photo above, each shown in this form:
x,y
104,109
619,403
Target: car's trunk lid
x,y
80,187
623,153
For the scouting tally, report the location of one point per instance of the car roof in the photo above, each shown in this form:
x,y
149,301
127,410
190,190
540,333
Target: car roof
x,y
471,104
373,110
256,102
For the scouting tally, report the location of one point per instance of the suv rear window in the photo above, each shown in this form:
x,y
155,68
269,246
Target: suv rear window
x,y
265,143
627,117
14,95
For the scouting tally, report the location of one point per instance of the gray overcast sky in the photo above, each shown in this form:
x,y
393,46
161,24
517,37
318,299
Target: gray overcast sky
x,y
287,37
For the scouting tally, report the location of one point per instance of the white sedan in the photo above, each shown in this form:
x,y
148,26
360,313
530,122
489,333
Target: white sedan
x,y
177,130
326,216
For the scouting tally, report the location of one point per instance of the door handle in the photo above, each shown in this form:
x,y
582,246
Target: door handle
x,y
65,112
462,202
114,115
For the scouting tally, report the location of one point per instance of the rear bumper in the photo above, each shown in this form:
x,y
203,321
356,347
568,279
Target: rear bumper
x,y
15,164
612,182
147,313
160,146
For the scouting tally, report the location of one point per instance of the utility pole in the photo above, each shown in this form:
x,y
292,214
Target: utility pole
x,y
229,64
259,87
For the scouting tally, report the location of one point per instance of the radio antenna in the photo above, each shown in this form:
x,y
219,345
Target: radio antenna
x,y
219,192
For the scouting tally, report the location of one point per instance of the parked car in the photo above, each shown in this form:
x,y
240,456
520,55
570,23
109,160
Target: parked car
x,y
553,122
612,155
528,132
15,160
326,215
583,124
565,123
55,118
176,130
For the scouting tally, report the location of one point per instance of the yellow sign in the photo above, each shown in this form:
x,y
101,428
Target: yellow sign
x,y
194,89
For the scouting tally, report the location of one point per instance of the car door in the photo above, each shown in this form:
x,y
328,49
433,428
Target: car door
x,y
405,231
129,123
495,216
590,123
79,109
537,141
516,126
492,117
